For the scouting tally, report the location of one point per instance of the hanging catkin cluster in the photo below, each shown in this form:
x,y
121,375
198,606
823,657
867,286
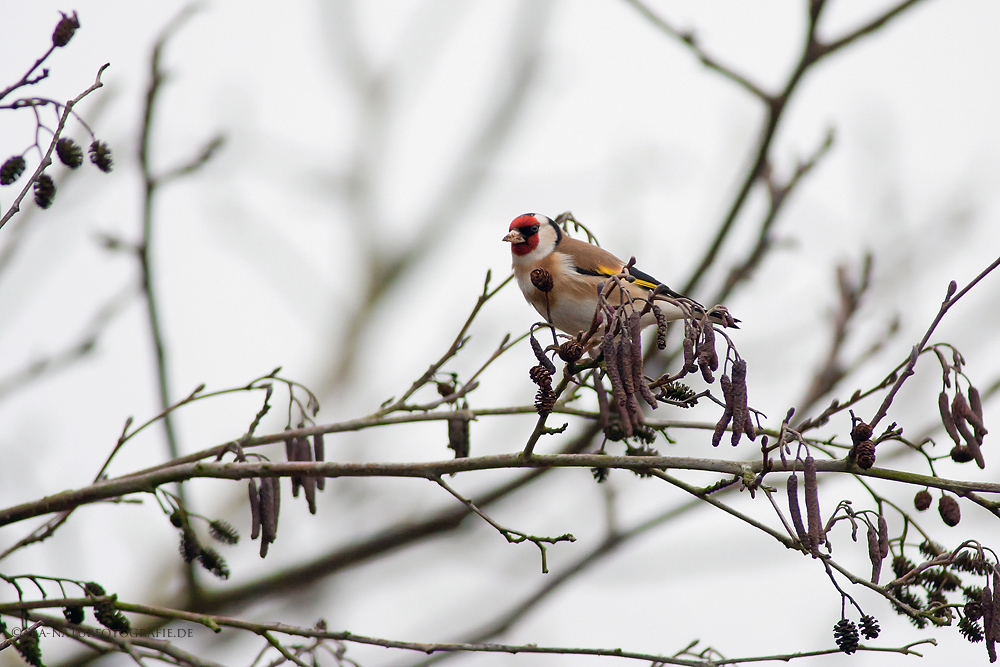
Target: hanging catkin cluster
x,y
958,416
734,391
811,534
297,448
622,349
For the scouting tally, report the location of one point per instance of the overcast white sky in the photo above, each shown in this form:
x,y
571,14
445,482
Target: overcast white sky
x,y
258,266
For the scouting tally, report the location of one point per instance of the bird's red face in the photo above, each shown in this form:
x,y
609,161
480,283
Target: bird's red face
x,y
523,236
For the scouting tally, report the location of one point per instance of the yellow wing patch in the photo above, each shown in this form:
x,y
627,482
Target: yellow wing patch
x,y
640,277
608,270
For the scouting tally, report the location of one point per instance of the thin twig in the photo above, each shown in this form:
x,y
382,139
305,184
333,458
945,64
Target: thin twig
x,y
907,371
509,534
47,157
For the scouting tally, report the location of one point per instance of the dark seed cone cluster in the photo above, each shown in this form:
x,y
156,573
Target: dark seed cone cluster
x,y
869,627
545,398
863,451
28,645
978,619
105,611
192,549
212,561
224,532
69,153
65,29
100,155
845,633
12,169
74,615
45,190
541,375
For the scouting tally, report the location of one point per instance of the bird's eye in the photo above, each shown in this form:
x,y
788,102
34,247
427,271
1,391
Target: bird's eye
x,y
532,230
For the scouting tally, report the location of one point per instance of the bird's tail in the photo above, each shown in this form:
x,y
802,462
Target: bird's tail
x,y
717,314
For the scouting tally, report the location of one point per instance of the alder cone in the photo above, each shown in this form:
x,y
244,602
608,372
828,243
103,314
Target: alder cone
x,y
865,454
949,510
922,500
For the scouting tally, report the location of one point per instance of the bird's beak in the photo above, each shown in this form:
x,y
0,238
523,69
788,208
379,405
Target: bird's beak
x,y
514,237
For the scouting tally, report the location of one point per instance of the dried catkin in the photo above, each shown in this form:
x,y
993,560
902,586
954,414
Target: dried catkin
x,y
254,510
946,418
792,486
874,554
883,536
540,355
976,403
961,411
996,602
617,389
625,359
706,349
638,379
749,430
661,327
308,482
739,399
690,365
270,504
458,436
727,413
986,600
816,536
319,454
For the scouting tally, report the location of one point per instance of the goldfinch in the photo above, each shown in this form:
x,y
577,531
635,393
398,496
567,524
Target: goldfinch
x,y
577,268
